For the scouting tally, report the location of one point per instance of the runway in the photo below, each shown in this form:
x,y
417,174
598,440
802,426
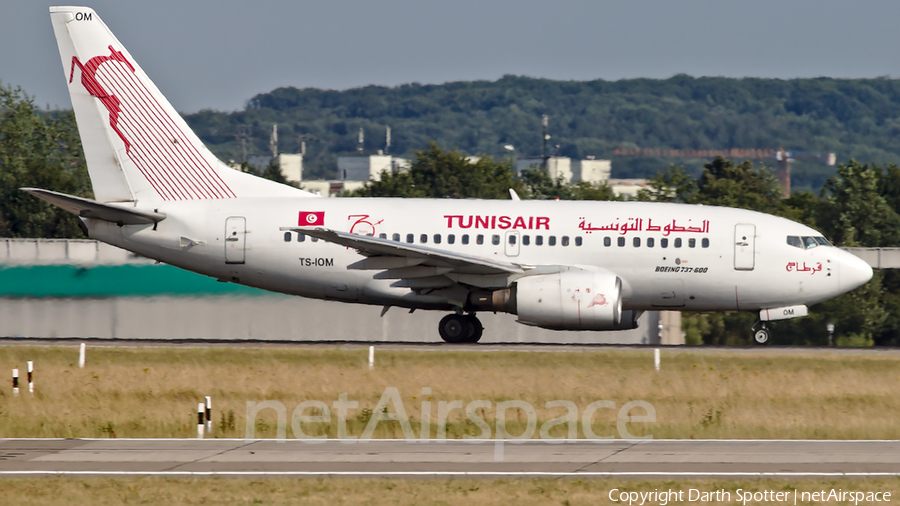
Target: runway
x,y
398,458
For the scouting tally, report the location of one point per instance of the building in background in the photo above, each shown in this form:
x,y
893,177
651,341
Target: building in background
x,y
628,188
369,168
590,170
291,166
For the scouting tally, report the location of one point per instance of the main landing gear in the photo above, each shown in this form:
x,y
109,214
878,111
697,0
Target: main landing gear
x,y
761,336
460,328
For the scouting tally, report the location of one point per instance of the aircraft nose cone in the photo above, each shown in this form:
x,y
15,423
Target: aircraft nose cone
x,y
855,272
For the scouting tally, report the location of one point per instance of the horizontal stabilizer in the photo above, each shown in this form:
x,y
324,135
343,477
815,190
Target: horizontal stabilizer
x,y
87,208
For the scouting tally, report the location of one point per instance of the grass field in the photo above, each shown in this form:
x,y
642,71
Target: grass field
x,y
153,392
62,491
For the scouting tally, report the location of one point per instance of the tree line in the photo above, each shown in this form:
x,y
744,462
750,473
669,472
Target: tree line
x,y
855,118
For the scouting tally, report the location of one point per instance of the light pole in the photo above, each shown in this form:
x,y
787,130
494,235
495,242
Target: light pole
x,y
509,148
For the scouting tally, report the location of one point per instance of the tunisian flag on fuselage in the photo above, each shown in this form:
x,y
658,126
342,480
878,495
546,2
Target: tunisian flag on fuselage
x,y
307,219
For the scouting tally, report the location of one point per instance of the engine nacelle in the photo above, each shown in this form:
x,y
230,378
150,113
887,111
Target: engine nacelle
x,y
572,300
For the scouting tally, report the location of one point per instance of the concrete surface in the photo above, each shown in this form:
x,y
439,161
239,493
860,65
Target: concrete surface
x,y
686,458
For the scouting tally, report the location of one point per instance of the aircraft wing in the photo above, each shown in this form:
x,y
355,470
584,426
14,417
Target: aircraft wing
x,y
414,265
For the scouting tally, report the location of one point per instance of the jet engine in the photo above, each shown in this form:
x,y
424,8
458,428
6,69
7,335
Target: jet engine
x,y
569,300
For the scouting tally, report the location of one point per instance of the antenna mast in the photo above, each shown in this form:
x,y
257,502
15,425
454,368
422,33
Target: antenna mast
x,y
545,137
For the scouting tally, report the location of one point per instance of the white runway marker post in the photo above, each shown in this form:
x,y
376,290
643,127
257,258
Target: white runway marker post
x,y
15,382
81,351
208,414
200,412
656,358
371,357
31,377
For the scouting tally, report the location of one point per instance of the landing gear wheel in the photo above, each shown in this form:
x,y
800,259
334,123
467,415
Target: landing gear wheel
x,y
454,328
474,327
761,336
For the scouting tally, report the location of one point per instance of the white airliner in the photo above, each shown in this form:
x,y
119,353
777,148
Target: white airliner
x,y
556,264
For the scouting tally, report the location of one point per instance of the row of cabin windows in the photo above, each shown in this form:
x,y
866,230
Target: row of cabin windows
x,y
300,237
526,240
651,242
464,239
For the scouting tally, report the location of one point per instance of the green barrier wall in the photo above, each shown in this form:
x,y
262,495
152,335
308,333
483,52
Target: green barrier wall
x,y
113,281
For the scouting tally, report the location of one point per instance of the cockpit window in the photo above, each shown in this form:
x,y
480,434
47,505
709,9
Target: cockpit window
x,y
807,242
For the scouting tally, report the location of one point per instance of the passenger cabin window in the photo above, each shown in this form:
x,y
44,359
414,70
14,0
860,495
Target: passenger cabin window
x,y
578,241
410,238
314,239
495,239
692,243
479,239
705,242
465,239
423,238
287,237
551,241
301,237
396,237
678,242
664,243
621,242
437,238
565,240
526,240
650,242
382,236
538,240
636,242
607,242
451,238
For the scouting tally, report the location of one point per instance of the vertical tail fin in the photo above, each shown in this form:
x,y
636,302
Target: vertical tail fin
x,y
136,145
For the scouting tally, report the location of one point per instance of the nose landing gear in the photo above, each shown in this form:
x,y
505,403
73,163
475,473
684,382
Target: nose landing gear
x,y
761,336
458,328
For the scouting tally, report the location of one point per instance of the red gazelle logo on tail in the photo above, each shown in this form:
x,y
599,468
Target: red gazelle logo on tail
x,y
161,150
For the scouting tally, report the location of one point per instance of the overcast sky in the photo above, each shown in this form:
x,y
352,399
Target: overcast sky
x,y
218,54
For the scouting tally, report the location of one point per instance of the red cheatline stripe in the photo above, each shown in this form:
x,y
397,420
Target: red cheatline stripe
x,y
184,148
180,171
207,172
178,179
212,175
194,179
95,91
155,146
150,147
137,153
